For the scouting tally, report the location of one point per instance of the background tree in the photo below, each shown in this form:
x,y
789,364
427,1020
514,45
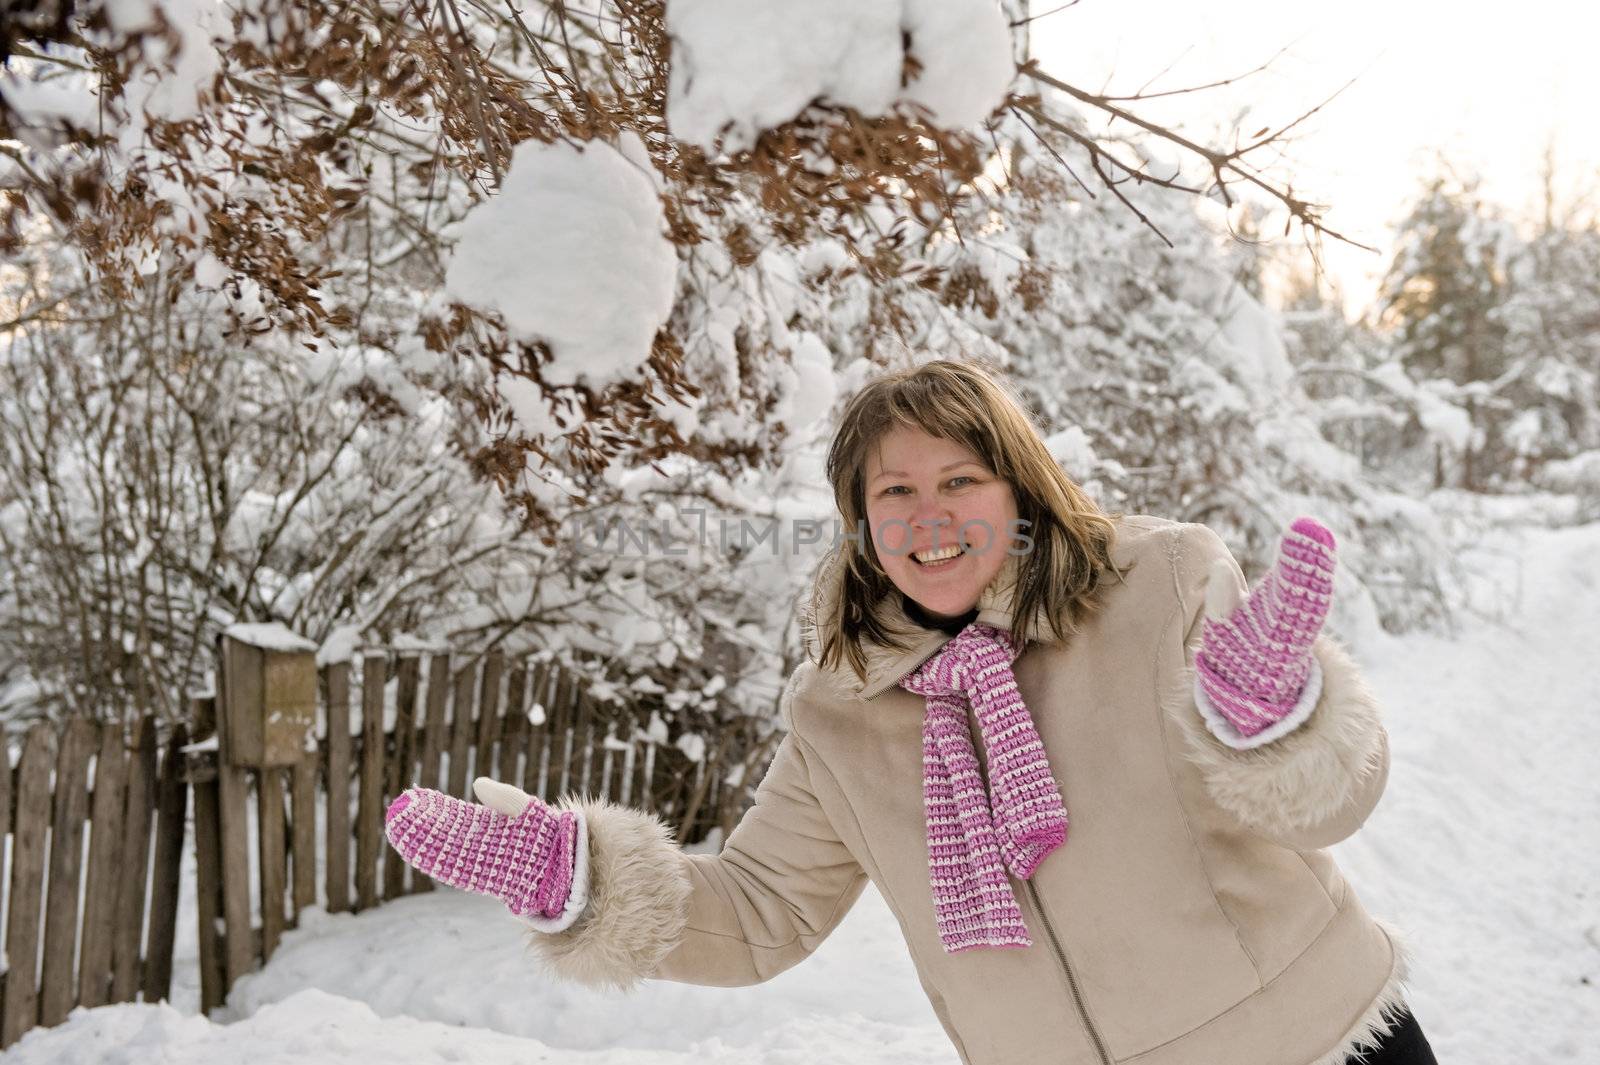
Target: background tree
x,y
324,272
1551,317
1440,297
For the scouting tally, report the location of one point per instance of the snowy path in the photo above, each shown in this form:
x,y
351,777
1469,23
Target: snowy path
x,y
1483,849
1486,845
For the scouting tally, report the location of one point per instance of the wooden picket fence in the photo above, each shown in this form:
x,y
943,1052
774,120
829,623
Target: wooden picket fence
x,y
117,944
453,718
96,813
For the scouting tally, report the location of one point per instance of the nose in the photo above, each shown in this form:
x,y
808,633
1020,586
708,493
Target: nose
x,y
931,514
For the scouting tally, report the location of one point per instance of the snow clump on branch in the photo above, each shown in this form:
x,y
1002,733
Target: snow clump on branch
x,y
740,67
572,252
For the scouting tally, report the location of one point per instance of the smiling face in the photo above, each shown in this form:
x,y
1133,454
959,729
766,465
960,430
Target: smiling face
x,y
940,519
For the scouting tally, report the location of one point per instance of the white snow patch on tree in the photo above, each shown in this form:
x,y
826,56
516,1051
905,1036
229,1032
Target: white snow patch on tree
x,y
809,389
40,102
571,252
743,66
168,85
531,408
1072,450
693,746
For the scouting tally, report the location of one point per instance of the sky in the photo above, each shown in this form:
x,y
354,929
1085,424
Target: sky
x,y
1488,85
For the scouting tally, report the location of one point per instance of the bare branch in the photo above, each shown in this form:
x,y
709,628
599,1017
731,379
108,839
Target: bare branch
x,y
1222,164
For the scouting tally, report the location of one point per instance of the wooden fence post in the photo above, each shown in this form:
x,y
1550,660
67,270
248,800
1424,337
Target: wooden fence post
x,y
433,738
203,776
303,823
5,830
172,808
433,722
266,718
269,860
369,808
583,736
511,739
488,716
31,803
560,741
338,787
107,867
398,775
56,986
461,721
238,946
538,734
141,803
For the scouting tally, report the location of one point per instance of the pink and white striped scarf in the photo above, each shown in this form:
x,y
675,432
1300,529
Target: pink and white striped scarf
x,y
1021,819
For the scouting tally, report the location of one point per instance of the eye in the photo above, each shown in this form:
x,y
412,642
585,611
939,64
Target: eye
x,y
963,477
891,489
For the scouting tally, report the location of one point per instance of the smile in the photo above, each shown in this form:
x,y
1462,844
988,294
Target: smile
x,y
938,557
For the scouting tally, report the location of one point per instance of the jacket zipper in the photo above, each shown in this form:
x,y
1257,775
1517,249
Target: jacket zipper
x,y
1072,981
1050,931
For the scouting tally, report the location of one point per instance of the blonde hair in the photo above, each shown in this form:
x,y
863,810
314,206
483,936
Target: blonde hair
x,y
1072,537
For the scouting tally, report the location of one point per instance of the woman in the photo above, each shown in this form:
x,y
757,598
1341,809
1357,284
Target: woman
x,y
992,663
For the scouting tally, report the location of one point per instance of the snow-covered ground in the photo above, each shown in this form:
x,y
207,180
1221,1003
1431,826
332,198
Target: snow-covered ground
x,y
1484,849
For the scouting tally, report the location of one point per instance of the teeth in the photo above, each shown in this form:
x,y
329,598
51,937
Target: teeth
x,y
937,556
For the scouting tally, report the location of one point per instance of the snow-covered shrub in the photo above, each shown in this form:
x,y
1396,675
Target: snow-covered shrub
x,y
350,267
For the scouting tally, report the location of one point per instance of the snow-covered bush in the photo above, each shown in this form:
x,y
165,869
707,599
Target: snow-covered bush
x,y
338,268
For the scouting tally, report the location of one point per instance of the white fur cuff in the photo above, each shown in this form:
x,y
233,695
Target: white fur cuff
x,y
1307,787
637,906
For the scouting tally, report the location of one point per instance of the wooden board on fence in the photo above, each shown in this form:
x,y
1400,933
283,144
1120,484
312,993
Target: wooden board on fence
x,y
603,778
512,739
628,773
172,810
639,795
208,858
488,714
208,890
538,734
433,722
57,992
106,824
337,785
627,759
408,682
398,772
239,947
646,796
369,804
270,857
582,740
619,761
31,803
233,789
461,729
434,739
560,748
5,824
303,818
140,805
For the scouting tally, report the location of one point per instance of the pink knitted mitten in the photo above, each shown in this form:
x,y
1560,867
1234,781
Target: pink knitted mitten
x,y
1254,663
524,861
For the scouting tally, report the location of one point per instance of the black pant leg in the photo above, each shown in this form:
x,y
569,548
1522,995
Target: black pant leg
x,y
1404,1045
